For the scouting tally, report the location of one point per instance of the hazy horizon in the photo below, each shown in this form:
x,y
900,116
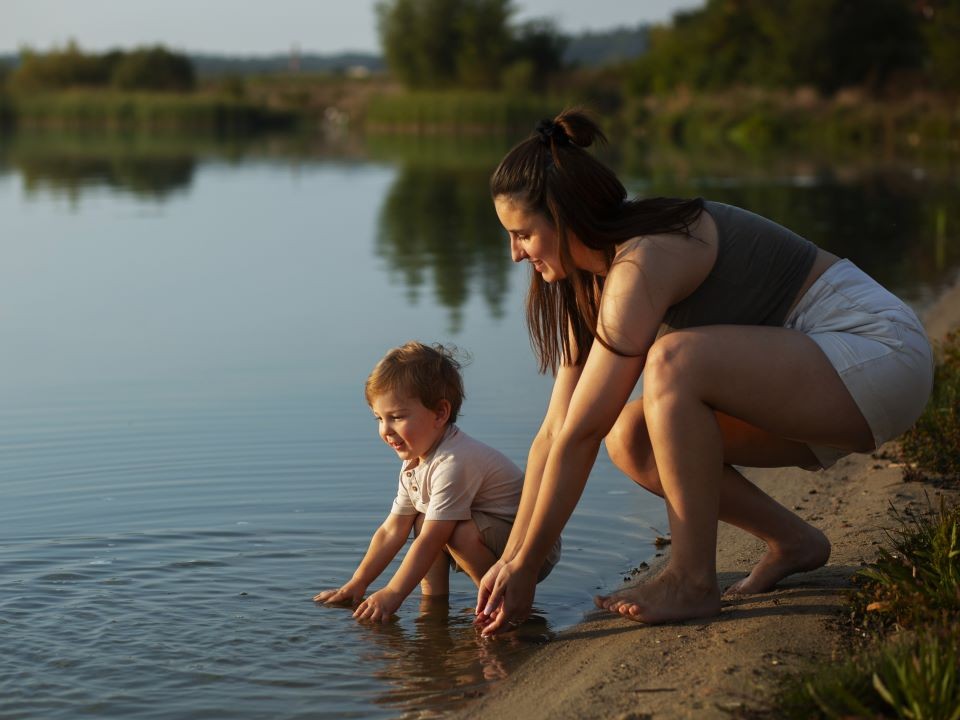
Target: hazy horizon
x,y
221,27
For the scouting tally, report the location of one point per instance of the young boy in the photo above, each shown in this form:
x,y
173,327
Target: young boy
x,y
458,495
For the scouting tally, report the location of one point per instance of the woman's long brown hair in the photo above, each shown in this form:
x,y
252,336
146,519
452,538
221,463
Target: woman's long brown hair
x,y
551,173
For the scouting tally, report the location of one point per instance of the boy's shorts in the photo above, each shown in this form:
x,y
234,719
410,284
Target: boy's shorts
x,y
875,343
495,531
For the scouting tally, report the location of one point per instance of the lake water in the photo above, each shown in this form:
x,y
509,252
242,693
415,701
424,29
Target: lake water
x,y
185,453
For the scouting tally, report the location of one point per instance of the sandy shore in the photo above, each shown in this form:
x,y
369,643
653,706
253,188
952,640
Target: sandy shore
x,y
608,667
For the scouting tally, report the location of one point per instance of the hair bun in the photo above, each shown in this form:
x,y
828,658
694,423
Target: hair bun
x,y
551,130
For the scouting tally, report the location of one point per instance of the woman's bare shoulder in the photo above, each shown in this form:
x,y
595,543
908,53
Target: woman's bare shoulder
x,y
671,264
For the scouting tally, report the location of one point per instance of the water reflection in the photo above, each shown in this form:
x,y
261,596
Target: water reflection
x,y
444,662
72,166
437,227
438,234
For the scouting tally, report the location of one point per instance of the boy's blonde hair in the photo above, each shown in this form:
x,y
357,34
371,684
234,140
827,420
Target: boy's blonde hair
x,y
430,373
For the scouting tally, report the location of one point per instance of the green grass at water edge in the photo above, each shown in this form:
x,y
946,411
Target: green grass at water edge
x,y
115,111
756,120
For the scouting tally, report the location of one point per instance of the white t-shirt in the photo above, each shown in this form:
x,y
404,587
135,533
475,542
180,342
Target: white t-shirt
x,y
460,475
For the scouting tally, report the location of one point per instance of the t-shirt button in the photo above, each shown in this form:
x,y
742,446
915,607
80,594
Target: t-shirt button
x,y
414,488
409,473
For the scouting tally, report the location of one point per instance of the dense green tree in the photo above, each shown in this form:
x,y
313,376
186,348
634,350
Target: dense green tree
x,y
141,69
941,31
421,40
62,68
828,44
153,68
859,43
465,43
539,47
485,43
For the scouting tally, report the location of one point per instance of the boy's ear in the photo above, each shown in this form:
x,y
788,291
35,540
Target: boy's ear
x,y
442,411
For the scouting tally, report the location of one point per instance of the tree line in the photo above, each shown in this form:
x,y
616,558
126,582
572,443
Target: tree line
x,y
148,68
825,44
879,45
468,44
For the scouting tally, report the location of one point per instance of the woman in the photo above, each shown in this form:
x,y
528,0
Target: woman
x,y
757,349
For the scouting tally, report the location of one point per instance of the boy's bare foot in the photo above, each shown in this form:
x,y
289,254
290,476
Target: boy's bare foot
x,y
782,560
666,598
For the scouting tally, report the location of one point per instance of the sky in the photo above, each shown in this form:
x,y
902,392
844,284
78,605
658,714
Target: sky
x,y
260,27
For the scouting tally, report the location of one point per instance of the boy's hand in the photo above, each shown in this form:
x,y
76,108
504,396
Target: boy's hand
x,y
351,593
379,607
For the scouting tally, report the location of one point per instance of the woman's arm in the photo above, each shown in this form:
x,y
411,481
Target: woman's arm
x,y
506,593
563,387
638,291
603,390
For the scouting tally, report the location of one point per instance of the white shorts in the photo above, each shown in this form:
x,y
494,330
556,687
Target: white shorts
x,y
876,344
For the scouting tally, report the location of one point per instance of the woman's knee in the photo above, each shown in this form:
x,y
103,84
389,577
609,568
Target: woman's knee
x,y
671,365
628,446
627,438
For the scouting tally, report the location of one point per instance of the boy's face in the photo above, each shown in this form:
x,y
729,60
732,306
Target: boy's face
x,y
411,429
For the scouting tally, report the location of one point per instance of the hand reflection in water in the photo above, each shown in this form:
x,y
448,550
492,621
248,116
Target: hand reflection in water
x,y
443,660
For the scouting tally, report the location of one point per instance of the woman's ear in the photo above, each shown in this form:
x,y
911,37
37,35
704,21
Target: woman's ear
x,y
442,412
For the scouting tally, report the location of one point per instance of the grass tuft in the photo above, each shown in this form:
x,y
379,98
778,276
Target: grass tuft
x,y
932,446
910,597
915,677
918,580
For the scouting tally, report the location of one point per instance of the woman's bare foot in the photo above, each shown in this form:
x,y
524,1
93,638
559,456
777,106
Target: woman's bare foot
x,y
782,560
666,598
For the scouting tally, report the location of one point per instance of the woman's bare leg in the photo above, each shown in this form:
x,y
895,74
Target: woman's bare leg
x,y
793,545
770,378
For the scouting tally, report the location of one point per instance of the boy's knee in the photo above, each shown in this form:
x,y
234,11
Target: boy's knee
x,y
465,534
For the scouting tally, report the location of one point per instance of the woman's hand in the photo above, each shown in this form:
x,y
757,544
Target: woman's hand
x,y
351,593
484,591
380,606
505,598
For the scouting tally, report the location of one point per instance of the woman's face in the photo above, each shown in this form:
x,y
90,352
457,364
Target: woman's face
x,y
533,237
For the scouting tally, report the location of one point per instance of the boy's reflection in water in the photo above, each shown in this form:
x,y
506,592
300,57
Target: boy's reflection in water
x,y
444,661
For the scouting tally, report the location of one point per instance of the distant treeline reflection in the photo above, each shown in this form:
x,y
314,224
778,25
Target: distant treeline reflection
x,y
438,235
438,225
75,165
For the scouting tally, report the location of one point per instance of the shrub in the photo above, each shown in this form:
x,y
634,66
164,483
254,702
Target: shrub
x,y
933,444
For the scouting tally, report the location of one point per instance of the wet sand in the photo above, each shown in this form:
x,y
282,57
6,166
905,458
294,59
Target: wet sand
x,y
609,667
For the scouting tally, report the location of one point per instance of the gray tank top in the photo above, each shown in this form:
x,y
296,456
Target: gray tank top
x,y
759,269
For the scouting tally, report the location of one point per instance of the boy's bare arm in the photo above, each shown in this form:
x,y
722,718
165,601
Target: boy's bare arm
x,y
433,536
384,546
